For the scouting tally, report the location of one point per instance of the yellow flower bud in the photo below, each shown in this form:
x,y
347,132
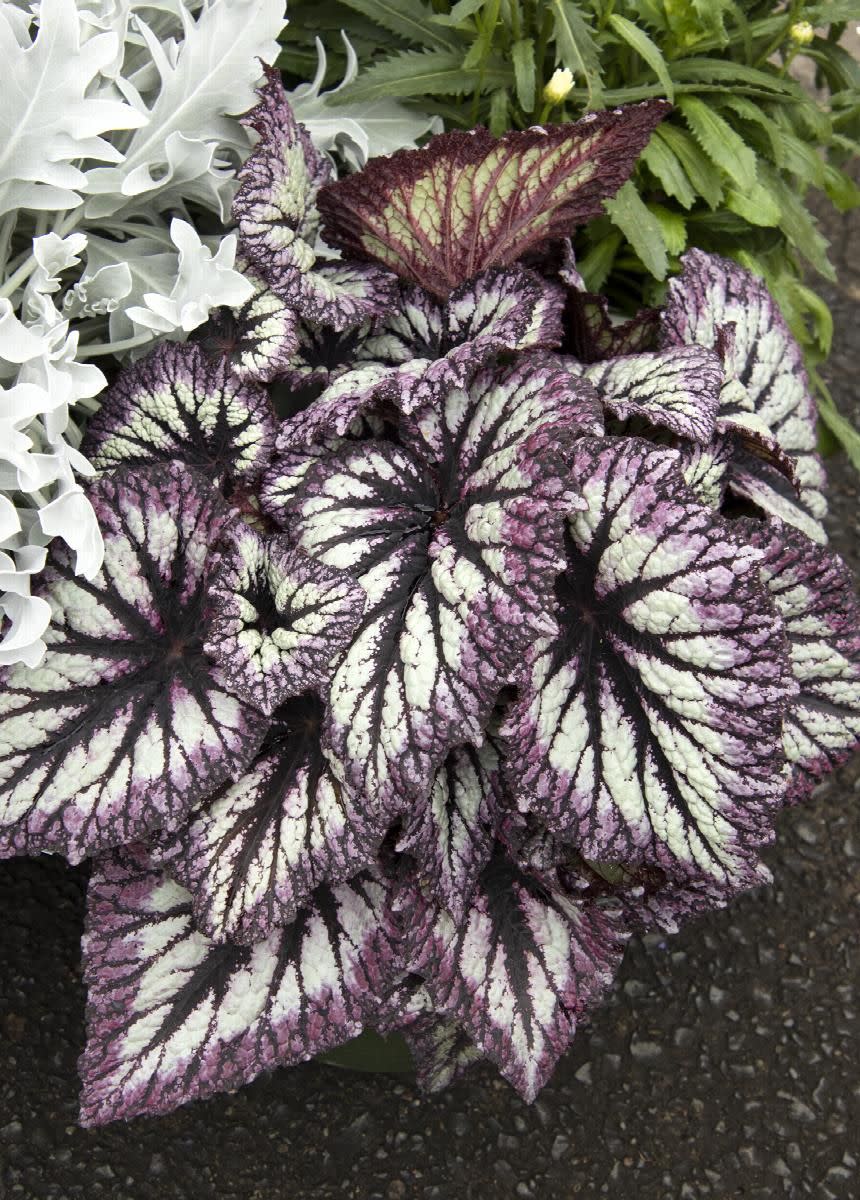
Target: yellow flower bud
x,y
802,33
559,86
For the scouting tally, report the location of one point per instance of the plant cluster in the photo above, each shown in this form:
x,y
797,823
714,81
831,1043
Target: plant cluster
x,y
448,630
120,138
728,172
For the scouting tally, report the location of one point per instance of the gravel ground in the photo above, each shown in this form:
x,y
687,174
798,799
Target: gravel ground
x,y
727,1063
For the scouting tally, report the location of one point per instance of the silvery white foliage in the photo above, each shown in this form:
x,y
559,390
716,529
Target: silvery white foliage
x,y
39,459
357,133
190,140
48,124
204,281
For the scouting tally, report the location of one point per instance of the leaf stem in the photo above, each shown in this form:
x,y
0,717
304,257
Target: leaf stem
x,y
488,29
95,351
23,273
6,231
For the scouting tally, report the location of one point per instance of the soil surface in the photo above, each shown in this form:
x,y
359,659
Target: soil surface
x,y
726,1063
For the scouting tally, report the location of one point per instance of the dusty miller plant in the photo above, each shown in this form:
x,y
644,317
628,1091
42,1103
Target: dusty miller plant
x,y
447,632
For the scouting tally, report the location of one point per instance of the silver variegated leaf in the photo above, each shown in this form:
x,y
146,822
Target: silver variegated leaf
x,y
277,618
704,469
646,896
650,730
125,725
333,420
591,334
259,339
275,209
342,294
678,389
253,853
456,541
433,348
180,404
275,205
718,304
173,1017
323,354
441,1050
520,971
286,473
450,835
813,592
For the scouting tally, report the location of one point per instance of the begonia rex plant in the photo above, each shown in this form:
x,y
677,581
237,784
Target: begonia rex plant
x,y
447,632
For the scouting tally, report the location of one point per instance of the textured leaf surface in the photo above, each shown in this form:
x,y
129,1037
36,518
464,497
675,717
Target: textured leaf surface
x,y
716,303
435,348
173,1017
441,1050
813,592
340,294
450,835
275,209
259,339
456,541
287,470
207,74
323,354
650,731
253,853
275,205
126,725
520,972
179,404
591,335
677,390
277,619
468,201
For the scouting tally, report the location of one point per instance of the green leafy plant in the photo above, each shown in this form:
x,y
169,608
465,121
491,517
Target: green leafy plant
x,y
729,171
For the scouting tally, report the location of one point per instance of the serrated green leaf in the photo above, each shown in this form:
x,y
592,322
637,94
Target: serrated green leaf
x,y
474,55
647,50
712,17
799,158
839,426
749,111
719,141
756,206
840,69
653,14
663,164
499,112
577,48
841,188
411,20
733,74
596,265
822,318
482,46
461,12
422,73
701,172
523,57
797,223
832,12
674,228
628,212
